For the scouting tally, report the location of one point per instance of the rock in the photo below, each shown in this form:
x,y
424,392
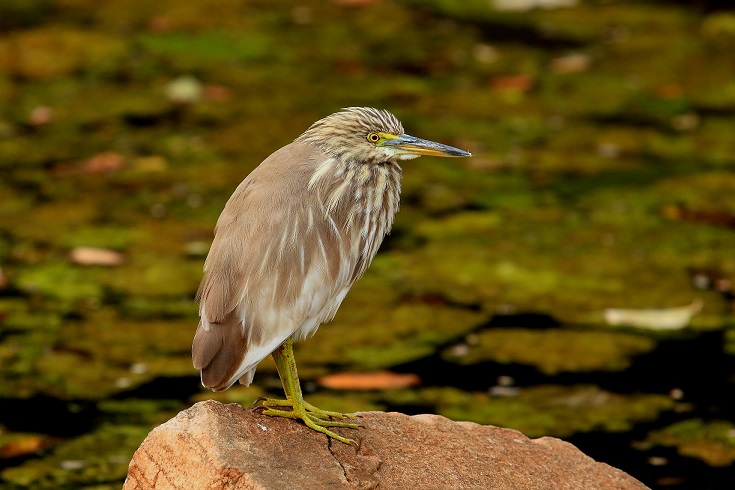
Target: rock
x,y
212,445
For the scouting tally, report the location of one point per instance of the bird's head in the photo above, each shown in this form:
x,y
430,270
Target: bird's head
x,y
367,135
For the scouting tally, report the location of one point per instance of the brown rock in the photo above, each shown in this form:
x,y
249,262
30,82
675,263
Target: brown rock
x,y
218,446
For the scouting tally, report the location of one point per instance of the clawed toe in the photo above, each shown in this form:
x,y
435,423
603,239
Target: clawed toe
x,y
258,400
312,416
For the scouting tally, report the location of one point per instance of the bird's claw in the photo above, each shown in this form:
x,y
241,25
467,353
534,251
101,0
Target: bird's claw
x,y
258,400
312,416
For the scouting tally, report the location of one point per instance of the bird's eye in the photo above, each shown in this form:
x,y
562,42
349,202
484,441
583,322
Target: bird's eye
x,y
373,137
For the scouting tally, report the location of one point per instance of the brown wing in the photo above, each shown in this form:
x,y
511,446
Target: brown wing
x,y
253,294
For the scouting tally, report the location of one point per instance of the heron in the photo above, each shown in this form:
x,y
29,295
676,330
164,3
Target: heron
x,y
292,239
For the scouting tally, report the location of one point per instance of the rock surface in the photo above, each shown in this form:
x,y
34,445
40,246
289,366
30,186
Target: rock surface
x,y
216,446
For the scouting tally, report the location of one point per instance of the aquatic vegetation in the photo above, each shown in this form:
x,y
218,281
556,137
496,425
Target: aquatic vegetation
x,y
552,350
544,410
712,442
93,459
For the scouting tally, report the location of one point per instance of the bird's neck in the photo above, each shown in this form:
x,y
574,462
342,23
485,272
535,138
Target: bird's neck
x,y
355,189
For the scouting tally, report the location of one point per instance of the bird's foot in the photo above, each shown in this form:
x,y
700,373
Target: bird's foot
x,y
311,409
314,418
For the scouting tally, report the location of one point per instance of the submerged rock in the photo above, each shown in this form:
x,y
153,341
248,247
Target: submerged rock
x,y
226,446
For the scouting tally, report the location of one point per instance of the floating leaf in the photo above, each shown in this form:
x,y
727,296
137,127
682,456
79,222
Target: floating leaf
x,y
654,319
378,380
96,256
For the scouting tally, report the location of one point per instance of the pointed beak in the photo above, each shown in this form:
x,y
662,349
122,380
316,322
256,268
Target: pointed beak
x,y
412,145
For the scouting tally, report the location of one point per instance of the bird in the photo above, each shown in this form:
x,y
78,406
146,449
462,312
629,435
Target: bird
x,y
291,241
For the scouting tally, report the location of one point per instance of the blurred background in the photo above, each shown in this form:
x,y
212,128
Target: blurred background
x,y
573,279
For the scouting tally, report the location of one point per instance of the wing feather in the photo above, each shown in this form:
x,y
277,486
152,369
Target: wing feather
x,y
248,307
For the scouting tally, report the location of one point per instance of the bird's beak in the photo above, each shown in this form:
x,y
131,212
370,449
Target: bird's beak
x,y
411,145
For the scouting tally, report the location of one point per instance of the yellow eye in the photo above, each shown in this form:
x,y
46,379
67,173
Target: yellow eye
x,y
373,137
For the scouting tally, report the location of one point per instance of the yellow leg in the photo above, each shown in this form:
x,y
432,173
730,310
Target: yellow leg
x,y
312,416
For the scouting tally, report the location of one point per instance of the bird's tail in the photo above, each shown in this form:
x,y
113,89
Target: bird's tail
x,y
218,351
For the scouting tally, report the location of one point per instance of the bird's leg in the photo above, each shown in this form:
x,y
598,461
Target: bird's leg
x,y
312,416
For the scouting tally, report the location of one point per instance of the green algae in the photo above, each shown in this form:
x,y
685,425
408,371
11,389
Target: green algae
x,y
50,53
100,458
157,275
108,354
63,282
188,51
94,358
22,315
398,333
566,264
710,441
544,410
729,346
114,237
552,351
